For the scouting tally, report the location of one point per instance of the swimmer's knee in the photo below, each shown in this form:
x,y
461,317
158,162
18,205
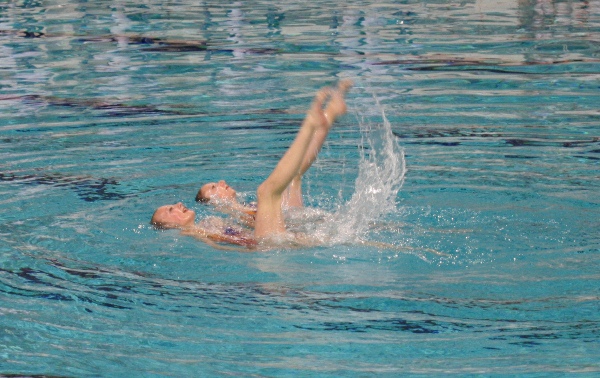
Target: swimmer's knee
x,y
269,196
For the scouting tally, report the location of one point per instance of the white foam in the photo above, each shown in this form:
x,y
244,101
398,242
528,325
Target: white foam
x,y
382,168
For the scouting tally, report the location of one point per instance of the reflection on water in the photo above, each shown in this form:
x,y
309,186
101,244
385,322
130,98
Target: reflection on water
x,y
110,108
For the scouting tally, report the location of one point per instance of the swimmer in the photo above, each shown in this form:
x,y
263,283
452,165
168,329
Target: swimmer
x,y
212,230
223,197
284,183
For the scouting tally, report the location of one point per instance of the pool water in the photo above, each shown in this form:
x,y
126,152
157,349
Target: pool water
x,y
462,188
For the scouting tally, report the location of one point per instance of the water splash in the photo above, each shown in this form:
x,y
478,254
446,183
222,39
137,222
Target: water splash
x,y
382,168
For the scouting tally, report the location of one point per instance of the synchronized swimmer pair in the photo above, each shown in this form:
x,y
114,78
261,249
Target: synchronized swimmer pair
x,y
264,224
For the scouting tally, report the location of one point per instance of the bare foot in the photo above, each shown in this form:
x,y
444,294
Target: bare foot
x,y
337,106
315,114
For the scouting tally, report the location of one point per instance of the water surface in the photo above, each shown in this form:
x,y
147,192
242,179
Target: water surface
x,y
110,109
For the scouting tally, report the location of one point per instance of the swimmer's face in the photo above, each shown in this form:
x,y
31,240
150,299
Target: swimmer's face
x,y
218,190
173,216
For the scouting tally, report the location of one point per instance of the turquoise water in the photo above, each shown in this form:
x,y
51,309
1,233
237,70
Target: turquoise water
x,y
110,109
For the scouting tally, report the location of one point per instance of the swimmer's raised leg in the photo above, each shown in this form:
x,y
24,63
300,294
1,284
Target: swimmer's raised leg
x,y
324,119
269,216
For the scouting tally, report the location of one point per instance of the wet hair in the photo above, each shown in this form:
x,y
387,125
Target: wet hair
x,y
158,225
201,198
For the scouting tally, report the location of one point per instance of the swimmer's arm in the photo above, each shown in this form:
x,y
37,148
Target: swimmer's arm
x,y
203,236
226,247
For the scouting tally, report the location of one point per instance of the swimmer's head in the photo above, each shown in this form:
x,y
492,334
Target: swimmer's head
x,y
173,216
216,191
